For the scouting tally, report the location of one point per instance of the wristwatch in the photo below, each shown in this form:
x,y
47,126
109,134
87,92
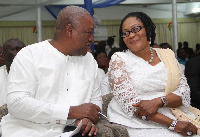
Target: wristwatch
x,y
173,125
164,101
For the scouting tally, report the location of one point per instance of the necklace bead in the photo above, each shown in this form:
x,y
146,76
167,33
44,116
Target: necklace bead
x,y
151,55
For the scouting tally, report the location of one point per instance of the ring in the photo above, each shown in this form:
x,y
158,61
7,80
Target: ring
x,y
189,133
144,117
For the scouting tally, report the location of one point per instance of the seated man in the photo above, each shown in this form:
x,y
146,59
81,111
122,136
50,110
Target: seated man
x,y
53,84
192,73
2,61
10,49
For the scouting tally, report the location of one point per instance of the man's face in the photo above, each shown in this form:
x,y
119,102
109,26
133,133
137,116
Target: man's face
x,y
83,36
11,51
2,60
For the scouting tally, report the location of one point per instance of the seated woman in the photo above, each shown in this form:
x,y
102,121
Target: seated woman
x,y
145,85
102,59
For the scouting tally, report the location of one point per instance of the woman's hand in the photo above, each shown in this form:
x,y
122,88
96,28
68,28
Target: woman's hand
x,y
147,108
185,128
87,127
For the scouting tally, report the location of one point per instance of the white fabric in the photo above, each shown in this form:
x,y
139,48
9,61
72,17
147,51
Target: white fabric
x,y
133,79
43,84
182,67
103,82
101,75
3,84
105,86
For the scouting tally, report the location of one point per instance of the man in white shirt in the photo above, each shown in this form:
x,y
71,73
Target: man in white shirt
x,y
2,61
10,49
53,84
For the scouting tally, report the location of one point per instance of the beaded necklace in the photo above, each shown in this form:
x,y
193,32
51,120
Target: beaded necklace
x,y
151,53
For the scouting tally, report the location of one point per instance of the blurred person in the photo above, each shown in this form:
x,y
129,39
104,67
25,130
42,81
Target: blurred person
x,y
2,60
110,44
102,59
182,57
10,49
189,51
197,51
180,45
146,82
192,73
52,85
165,46
155,46
100,46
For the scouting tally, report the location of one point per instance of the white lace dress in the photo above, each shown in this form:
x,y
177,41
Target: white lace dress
x,y
132,79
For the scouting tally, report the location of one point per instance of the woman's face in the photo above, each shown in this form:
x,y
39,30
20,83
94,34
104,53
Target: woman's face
x,y
102,60
136,42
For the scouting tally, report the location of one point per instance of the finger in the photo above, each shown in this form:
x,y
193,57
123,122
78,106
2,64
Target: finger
x,y
194,130
97,108
136,105
138,112
92,130
148,117
87,128
95,116
96,131
84,124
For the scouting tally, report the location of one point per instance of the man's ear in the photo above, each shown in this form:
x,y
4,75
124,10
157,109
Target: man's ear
x,y
69,30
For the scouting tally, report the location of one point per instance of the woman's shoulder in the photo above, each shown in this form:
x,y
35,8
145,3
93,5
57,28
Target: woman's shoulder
x,y
119,55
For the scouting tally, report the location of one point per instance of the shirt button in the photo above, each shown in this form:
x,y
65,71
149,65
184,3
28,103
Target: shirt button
x,y
67,89
57,121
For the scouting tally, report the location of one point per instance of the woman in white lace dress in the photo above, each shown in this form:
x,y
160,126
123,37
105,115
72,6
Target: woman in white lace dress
x,y
138,78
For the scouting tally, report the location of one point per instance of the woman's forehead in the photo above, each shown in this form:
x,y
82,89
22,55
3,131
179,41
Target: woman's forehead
x,y
131,21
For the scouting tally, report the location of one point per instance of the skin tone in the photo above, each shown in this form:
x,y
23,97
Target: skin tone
x,y
2,60
182,54
102,61
10,52
138,45
80,37
76,41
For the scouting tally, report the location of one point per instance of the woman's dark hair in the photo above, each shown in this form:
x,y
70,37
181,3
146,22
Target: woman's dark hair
x,y
97,53
148,25
113,50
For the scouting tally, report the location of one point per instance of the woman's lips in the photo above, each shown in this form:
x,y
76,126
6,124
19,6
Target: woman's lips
x,y
134,41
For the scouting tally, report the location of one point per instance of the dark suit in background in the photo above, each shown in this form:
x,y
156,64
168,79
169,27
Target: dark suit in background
x,y
192,73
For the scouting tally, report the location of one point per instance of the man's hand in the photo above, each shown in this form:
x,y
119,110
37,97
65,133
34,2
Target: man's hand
x,y
87,110
147,108
87,127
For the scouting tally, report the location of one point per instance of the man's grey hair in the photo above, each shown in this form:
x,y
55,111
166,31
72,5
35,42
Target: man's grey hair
x,y
70,15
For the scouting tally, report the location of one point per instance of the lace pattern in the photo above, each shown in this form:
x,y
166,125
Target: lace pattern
x,y
183,89
128,89
121,86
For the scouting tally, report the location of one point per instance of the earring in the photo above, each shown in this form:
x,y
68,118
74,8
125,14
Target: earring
x,y
150,41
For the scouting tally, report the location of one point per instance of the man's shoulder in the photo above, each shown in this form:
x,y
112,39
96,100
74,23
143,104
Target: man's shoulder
x,y
41,44
35,47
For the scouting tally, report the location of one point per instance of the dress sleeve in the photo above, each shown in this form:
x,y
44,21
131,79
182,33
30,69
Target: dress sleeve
x,y
121,85
183,89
